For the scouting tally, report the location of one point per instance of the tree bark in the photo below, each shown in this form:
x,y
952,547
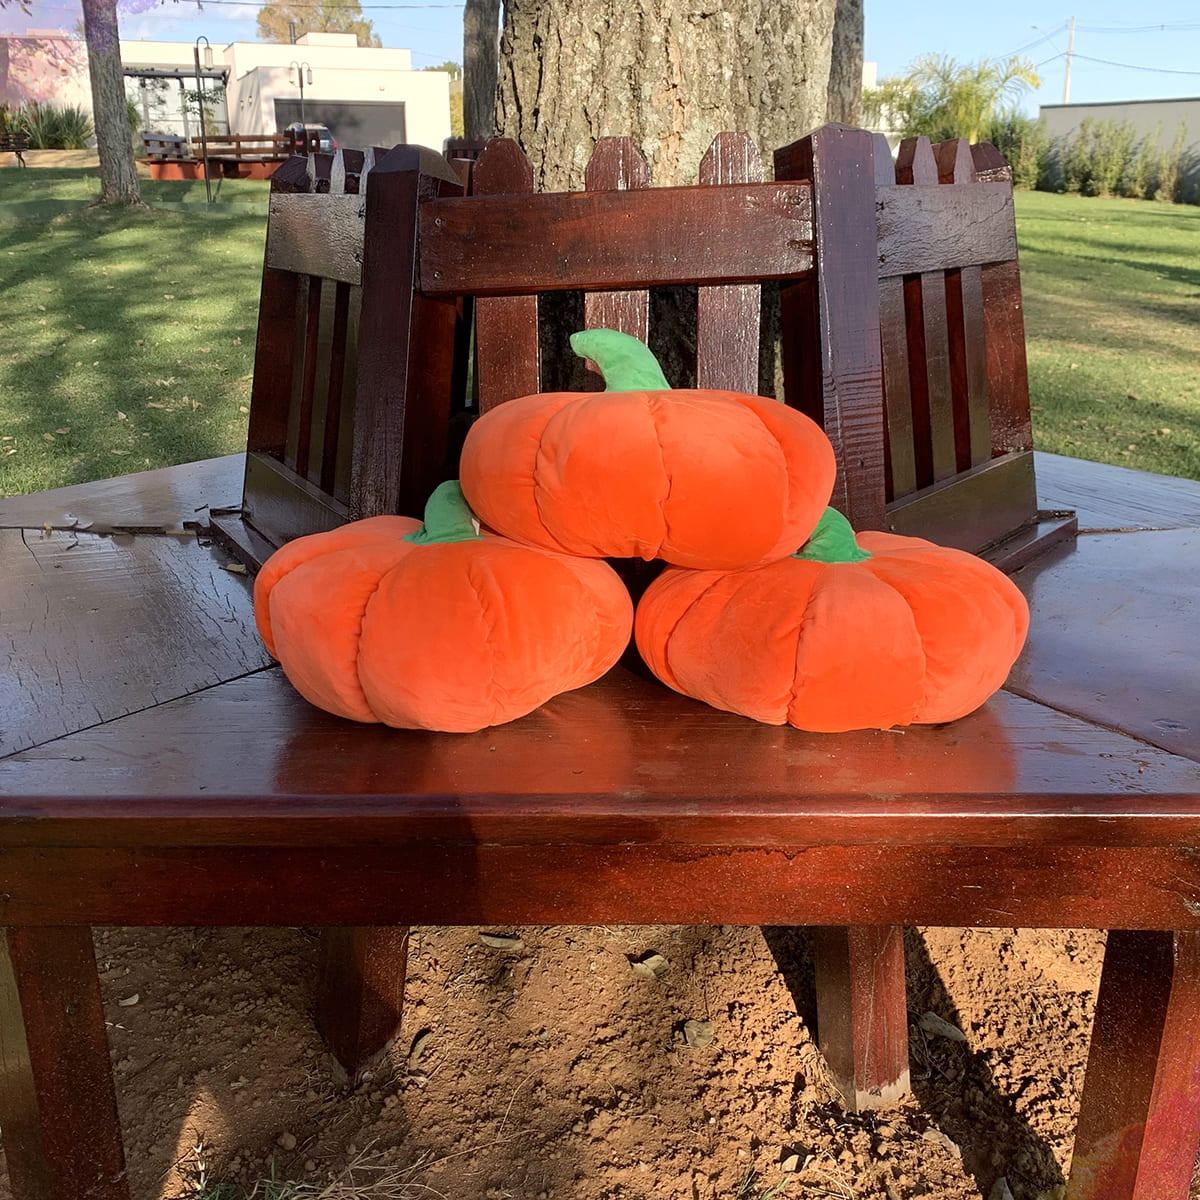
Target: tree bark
x,y
668,73
118,170
846,64
481,47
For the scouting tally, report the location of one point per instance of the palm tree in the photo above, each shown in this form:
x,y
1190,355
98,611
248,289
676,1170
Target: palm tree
x,y
943,99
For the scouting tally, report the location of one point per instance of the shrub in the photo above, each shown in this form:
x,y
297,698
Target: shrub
x,y
1107,158
1022,141
1169,176
53,126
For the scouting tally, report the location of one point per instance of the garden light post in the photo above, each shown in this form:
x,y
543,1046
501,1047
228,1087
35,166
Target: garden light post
x,y
301,68
208,62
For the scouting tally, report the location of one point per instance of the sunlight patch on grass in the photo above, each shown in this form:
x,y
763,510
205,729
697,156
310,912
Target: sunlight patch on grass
x,y
1113,329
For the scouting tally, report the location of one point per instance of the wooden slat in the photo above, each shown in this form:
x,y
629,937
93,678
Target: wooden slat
x,y
970,510
282,504
148,500
964,304
1007,368
406,345
316,235
901,464
404,883
343,468
1113,617
655,237
98,627
62,1134
929,368
840,315
1139,1119
862,1013
1113,498
280,329
728,316
331,417
507,351
327,354
1005,328
618,165
300,458
935,229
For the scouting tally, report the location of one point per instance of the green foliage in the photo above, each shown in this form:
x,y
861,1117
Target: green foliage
x,y
1107,158
274,21
942,98
453,69
52,126
1023,142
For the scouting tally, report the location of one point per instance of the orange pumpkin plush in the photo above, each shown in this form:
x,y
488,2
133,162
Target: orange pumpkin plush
x,y
436,626
699,477
846,634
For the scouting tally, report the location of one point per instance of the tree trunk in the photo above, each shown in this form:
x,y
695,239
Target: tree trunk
x,y
118,170
666,74
846,64
481,46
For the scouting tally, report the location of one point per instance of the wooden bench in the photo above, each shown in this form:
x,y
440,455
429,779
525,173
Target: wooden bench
x,y
1073,798
233,156
15,143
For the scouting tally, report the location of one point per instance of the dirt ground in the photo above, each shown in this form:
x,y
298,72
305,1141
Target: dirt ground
x,y
544,1065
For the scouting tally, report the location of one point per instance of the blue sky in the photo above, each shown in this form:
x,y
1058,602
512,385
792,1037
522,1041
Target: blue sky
x,y
1164,37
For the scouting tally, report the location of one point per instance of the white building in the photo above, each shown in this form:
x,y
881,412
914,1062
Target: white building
x,y
366,95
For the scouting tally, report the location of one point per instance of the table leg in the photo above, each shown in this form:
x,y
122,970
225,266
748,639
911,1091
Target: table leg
x,y
862,1012
58,1104
360,998
1139,1116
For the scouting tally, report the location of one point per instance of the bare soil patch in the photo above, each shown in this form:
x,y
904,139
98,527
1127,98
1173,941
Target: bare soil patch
x,y
544,1065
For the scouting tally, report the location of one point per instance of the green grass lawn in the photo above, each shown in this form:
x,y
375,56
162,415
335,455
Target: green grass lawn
x,y
127,339
1113,329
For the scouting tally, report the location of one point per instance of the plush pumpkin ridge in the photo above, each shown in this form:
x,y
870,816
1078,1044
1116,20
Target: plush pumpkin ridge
x,y
628,365
447,519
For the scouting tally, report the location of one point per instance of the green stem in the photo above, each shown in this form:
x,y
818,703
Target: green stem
x,y
448,518
832,541
626,364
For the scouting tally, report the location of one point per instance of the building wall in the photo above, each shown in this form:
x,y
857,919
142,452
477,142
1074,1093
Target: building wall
x,y
53,67
1159,118
425,95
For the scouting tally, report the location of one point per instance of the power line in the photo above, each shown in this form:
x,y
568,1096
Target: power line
x,y
1135,28
1135,67
1036,42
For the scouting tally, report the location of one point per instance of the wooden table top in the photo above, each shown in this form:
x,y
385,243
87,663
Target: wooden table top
x,y
144,708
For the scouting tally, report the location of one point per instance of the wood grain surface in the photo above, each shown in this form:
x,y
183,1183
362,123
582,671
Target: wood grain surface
x,y
149,500
624,759
503,245
1116,498
1113,634
94,628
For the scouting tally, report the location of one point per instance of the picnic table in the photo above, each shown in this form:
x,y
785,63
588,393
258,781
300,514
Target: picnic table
x,y
158,769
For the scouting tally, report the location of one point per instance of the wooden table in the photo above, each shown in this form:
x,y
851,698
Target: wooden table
x,y
157,769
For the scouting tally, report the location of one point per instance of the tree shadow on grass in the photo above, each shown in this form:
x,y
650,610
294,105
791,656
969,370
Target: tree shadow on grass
x,y
131,339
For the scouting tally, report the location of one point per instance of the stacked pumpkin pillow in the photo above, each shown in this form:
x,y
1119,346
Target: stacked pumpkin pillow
x,y
770,606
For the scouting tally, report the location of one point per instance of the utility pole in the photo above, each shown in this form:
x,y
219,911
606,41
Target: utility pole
x,y
1067,75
